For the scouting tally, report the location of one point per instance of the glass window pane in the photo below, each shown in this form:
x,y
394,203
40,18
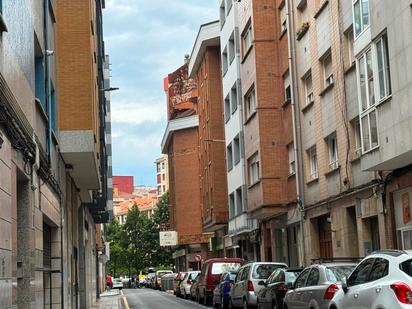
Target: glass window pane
x,y
374,129
379,54
365,134
365,14
361,272
313,278
356,9
370,78
379,269
362,82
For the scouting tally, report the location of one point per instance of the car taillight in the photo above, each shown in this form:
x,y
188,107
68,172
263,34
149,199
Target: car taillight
x,y
250,287
189,281
403,292
330,291
282,287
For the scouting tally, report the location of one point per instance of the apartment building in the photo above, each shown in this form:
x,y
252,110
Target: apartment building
x,y
205,68
242,236
83,117
268,130
180,143
162,175
40,246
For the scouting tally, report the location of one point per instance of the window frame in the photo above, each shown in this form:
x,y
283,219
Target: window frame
x,y
291,155
327,80
229,151
313,164
309,97
363,27
254,165
333,151
248,112
247,39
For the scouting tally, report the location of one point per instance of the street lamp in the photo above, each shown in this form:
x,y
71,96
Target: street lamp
x,y
110,89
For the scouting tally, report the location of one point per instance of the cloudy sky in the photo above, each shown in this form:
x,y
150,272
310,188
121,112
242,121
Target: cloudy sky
x,y
146,40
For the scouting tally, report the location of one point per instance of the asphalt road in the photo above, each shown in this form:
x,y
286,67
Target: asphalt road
x,y
152,299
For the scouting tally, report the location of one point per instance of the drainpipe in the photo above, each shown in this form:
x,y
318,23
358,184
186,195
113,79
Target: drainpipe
x,y
48,79
296,123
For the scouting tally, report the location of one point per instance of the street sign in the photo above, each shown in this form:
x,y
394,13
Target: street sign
x,y
198,257
168,238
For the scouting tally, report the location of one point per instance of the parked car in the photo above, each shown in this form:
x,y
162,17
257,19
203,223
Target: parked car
x,y
187,283
193,287
317,284
381,280
167,282
177,282
150,280
209,277
273,290
158,277
221,294
245,287
117,283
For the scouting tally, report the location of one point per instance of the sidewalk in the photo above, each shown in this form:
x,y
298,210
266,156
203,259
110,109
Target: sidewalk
x,y
109,299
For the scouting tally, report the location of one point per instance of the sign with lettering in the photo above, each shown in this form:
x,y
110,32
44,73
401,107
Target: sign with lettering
x,y
168,238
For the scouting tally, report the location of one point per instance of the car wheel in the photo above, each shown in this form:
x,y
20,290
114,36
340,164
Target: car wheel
x,y
245,305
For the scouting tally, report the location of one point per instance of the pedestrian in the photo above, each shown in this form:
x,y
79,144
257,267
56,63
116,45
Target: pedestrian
x,y
109,282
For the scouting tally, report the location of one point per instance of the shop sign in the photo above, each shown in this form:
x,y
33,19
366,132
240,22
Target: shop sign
x,y
168,238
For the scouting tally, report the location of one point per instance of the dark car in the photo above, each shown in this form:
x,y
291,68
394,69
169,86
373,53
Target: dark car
x,y
273,292
221,294
209,277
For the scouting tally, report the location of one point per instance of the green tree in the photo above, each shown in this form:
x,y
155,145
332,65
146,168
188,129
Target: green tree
x,y
161,214
118,247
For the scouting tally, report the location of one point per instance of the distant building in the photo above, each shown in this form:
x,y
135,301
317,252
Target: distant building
x,y
162,175
180,143
123,184
146,204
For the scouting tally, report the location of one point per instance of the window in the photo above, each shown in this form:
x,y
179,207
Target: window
x,y
233,98
163,165
231,48
227,108
301,280
39,75
229,157
250,100
158,167
224,61
232,205
333,151
292,164
360,15
53,111
355,125
164,189
253,169
283,23
327,70
222,14
236,150
366,78
309,89
247,39
239,202
286,82
379,269
313,163
164,177
313,277
384,86
361,273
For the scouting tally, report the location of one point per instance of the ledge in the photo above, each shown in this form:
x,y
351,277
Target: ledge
x,y
249,118
332,171
326,89
247,53
290,176
321,8
312,181
287,102
282,33
302,31
254,184
350,69
384,100
307,106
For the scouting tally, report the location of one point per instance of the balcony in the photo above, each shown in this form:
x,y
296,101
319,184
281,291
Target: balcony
x,y
242,224
79,152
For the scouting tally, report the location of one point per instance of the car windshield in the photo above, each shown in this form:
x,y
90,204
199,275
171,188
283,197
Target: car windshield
x,y
263,271
220,268
291,276
232,276
193,275
162,273
336,273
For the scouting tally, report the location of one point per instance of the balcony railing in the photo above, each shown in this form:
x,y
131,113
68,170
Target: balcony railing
x,y
242,224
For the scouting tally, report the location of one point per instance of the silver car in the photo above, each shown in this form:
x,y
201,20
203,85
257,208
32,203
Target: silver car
x,y
187,283
246,287
316,285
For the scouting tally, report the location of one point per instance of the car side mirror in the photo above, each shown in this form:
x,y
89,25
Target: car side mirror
x,y
261,282
345,285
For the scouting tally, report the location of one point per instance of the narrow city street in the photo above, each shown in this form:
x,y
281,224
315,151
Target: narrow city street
x,y
153,299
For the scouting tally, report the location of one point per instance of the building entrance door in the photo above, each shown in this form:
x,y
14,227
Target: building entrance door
x,y
325,237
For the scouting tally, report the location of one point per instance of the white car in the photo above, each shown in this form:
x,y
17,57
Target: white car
x,y
382,280
117,283
187,283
